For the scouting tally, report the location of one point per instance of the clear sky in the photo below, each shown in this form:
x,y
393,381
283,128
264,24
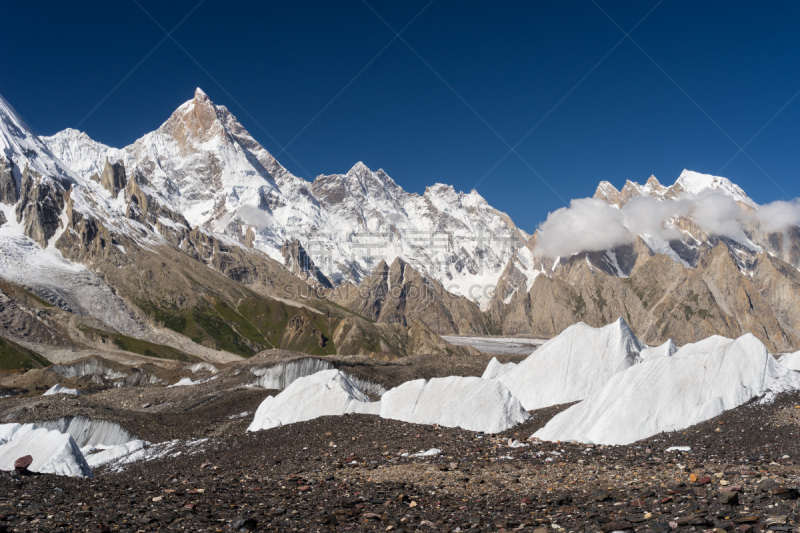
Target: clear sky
x,y
444,101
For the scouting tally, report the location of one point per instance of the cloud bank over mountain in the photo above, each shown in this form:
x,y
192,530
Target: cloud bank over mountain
x,y
592,225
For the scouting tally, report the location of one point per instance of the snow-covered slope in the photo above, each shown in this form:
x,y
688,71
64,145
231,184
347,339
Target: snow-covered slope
x,y
470,403
205,165
689,182
696,183
573,365
35,215
25,149
699,382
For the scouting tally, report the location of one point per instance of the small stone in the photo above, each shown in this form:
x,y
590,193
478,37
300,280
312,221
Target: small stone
x,y
453,466
412,504
724,482
540,530
616,526
729,498
704,480
242,524
693,477
601,496
775,520
145,406
767,484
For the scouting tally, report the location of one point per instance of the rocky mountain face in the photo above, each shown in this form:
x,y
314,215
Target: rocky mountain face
x,y
203,164
685,289
108,258
399,294
195,238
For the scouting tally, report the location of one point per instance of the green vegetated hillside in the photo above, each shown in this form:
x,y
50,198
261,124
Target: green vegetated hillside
x,y
13,357
255,324
130,344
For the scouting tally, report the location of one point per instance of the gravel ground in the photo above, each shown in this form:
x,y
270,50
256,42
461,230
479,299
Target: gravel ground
x,y
350,474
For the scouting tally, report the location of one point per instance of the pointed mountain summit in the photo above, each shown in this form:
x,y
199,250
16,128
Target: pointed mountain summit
x,y
203,164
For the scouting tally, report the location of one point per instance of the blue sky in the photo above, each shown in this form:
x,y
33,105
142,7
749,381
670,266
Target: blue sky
x,y
470,79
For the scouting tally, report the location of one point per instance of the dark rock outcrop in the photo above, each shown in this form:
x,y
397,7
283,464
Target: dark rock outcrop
x,y
297,261
8,184
40,205
113,177
399,294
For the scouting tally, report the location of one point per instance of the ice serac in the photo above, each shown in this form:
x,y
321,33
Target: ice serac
x,y
573,365
791,361
326,393
699,382
53,452
667,349
470,403
58,389
495,369
90,432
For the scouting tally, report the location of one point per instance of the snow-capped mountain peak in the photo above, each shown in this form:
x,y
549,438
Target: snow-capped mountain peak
x,y
689,182
204,164
21,146
695,183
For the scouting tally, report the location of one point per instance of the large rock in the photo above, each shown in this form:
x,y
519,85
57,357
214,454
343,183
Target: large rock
x,y
470,403
699,382
573,365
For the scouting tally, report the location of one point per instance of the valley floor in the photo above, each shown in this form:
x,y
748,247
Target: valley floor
x,y
358,473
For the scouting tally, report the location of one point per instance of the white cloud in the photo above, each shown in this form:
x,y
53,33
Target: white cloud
x,y
719,214
588,224
592,225
777,216
254,216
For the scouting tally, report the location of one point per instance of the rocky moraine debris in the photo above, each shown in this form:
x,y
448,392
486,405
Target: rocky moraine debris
x,y
737,472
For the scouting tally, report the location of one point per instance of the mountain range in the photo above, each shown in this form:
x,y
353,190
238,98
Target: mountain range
x,y
195,242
